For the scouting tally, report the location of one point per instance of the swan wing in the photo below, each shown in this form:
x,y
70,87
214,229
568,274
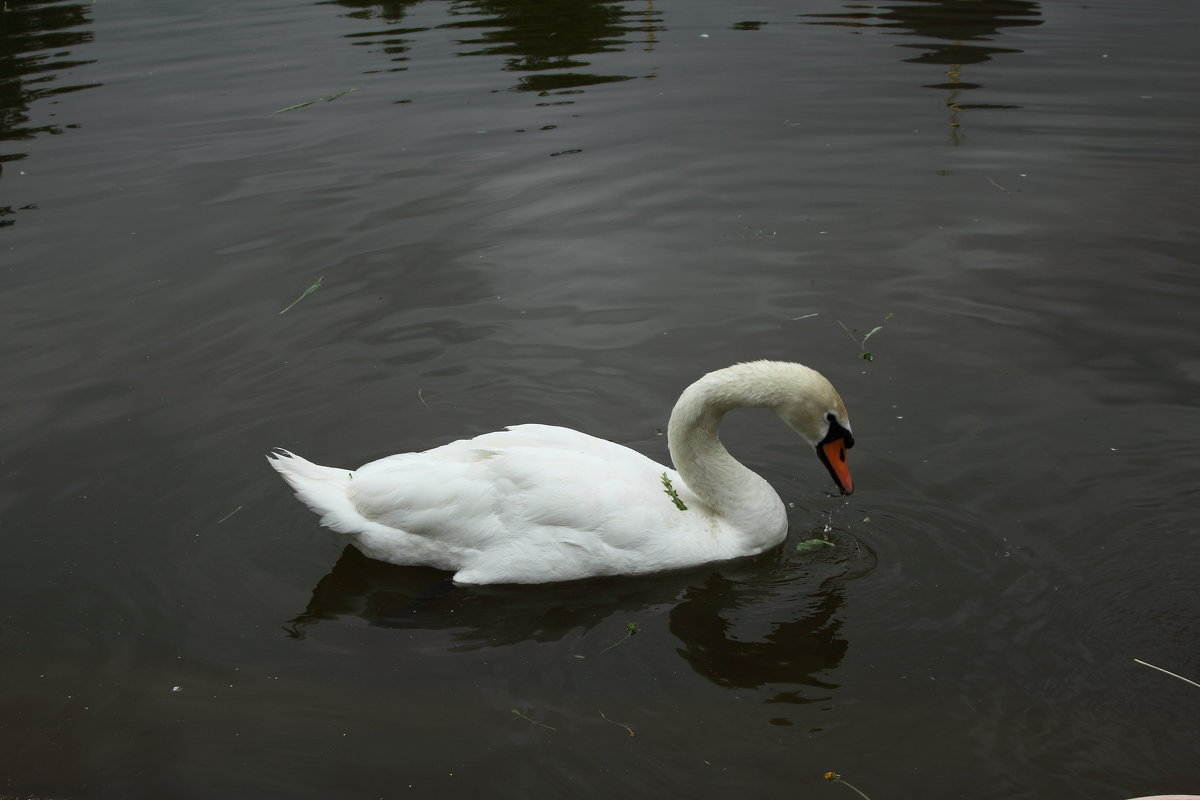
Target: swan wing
x,y
531,503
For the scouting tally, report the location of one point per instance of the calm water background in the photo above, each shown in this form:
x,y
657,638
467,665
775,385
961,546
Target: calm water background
x,y
564,212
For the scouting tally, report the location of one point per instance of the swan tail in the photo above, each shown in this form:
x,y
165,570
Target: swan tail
x,y
323,489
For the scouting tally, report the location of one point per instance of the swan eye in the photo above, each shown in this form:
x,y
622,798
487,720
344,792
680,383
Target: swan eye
x,y
837,431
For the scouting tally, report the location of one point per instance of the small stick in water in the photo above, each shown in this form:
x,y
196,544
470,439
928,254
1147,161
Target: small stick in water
x,y
1172,674
631,731
517,713
833,776
230,514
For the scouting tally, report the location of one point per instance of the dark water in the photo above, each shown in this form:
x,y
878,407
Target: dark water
x,y
564,212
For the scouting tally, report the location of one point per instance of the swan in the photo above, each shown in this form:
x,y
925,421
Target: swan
x,y
539,503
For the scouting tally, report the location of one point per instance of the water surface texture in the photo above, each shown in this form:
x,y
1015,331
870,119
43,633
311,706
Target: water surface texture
x,y
563,212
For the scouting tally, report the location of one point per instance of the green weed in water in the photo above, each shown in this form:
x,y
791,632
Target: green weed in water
x,y
867,355
324,99
307,292
630,629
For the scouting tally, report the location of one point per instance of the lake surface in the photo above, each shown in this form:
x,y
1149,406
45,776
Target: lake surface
x,y
564,212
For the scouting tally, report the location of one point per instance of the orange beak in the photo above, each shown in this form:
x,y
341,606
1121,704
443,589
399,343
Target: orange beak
x,y
833,455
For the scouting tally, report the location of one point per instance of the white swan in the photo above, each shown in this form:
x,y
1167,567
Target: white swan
x,y
537,503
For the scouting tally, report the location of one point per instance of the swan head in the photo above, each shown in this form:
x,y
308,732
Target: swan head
x,y
801,396
832,452
827,430
813,408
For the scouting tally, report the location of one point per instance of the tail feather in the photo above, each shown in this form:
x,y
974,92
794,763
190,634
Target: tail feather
x,y
323,489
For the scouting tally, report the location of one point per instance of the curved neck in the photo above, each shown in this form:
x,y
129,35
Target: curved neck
x,y
734,491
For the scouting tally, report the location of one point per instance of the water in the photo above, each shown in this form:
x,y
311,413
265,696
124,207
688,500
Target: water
x,y
564,212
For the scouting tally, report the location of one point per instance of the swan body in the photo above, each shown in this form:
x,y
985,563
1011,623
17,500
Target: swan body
x,y
539,503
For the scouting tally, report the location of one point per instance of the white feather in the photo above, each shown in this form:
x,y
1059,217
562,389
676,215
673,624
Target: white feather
x,y
538,503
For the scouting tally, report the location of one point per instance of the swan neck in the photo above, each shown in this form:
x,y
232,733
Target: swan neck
x,y
701,459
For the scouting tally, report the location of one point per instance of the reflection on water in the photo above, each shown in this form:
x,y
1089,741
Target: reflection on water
x,y
388,596
389,10
544,40
988,656
726,641
957,29
951,21
35,38
739,624
395,40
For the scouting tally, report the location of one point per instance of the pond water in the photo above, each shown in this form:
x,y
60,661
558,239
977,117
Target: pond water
x,y
564,212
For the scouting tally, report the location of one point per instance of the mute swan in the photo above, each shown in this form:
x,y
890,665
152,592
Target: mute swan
x,y
537,503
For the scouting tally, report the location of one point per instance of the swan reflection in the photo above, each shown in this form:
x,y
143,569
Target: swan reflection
x,y
771,623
